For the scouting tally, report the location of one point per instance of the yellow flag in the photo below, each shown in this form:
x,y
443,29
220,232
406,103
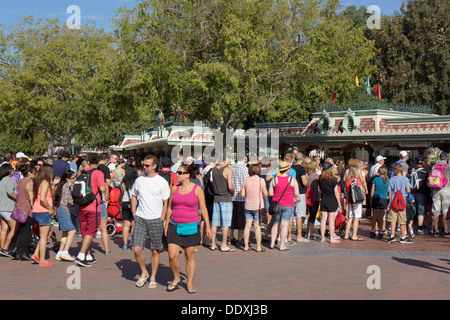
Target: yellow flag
x,y
357,81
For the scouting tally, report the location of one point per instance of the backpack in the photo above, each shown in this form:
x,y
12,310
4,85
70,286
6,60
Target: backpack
x,y
437,179
398,203
168,176
415,178
114,202
356,194
310,200
208,186
82,190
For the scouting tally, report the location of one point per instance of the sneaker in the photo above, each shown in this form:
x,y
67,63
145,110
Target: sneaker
x,y
405,240
125,247
391,239
92,261
46,264
83,263
5,253
373,234
411,234
66,256
420,231
446,234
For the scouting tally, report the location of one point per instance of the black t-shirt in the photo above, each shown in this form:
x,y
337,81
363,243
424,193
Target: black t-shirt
x,y
327,188
300,171
105,171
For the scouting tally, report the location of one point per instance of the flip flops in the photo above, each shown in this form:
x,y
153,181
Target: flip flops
x,y
172,287
142,281
227,250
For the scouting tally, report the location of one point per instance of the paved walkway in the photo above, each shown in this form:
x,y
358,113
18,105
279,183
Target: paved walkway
x,y
363,270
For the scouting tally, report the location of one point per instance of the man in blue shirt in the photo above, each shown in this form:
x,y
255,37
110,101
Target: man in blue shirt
x,y
398,182
61,165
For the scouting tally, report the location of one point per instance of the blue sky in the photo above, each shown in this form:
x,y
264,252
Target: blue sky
x,y
101,11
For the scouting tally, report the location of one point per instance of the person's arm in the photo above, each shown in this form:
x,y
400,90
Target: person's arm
x,y
372,191
164,210
133,201
30,196
265,193
337,194
169,210
229,176
294,183
243,190
271,186
304,179
204,212
44,189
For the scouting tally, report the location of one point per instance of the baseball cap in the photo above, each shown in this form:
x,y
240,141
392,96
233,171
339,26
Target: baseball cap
x,y
403,153
166,161
326,166
21,155
379,158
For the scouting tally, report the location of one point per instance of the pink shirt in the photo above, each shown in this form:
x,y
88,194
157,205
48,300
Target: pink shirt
x,y
254,186
184,206
38,206
288,197
97,181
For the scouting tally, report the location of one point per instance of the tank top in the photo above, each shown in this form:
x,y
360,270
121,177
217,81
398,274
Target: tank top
x,y
220,184
288,198
23,200
37,206
185,206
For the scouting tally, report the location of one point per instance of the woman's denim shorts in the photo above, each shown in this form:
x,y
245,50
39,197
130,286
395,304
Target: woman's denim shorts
x,y
252,214
285,214
67,221
42,218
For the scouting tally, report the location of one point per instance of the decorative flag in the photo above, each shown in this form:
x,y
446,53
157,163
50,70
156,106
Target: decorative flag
x,y
377,91
161,118
357,81
334,98
181,113
368,86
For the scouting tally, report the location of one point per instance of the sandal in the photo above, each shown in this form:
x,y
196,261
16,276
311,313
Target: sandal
x,y
152,285
191,290
171,287
142,281
357,239
262,250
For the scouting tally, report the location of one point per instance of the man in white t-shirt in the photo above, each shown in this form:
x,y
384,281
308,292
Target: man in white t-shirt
x,y
152,192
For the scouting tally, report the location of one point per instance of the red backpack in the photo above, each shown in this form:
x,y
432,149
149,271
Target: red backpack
x,y
310,196
398,203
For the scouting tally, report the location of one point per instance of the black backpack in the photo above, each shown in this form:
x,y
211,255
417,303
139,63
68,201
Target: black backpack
x,y
208,186
82,190
167,175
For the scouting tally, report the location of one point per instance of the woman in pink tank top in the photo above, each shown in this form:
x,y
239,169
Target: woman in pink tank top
x,y
185,199
285,199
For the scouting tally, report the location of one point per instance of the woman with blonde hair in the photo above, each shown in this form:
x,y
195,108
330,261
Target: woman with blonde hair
x,y
354,212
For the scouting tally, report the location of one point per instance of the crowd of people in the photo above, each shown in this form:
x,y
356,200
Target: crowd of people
x,y
186,204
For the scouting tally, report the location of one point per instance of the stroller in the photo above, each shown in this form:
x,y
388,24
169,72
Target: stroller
x,y
114,223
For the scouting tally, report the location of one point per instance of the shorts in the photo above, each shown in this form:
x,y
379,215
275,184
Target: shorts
x,y
379,203
396,216
67,221
355,210
313,212
182,241
5,216
127,214
89,222
420,201
441,202
222,214
238,218
328,205
104,212
42,218
152,229
300,206
252,214
285,214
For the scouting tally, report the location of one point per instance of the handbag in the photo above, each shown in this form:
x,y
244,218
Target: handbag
x,y
274,206
19,215
186,229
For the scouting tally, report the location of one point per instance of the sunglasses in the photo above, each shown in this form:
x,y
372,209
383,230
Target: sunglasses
x,y
181,172
147,165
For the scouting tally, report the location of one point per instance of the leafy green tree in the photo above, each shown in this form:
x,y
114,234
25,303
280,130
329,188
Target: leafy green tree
x,y
228,61
52,78
414,54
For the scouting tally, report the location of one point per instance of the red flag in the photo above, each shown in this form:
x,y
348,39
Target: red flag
x,y
334,98
377,91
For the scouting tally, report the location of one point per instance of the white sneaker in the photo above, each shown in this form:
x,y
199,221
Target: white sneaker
x,y
67,257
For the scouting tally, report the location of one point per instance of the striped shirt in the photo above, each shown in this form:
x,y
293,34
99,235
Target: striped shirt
x,y
240,173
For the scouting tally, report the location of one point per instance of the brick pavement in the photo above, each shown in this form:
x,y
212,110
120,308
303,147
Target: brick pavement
x,y
308,271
